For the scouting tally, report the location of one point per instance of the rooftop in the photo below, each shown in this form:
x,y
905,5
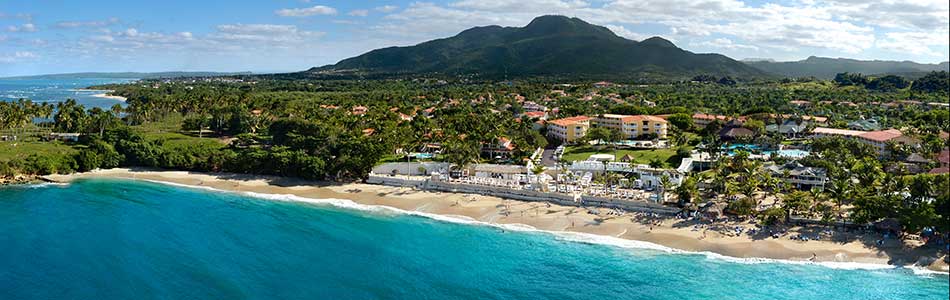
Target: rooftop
x,y
564,122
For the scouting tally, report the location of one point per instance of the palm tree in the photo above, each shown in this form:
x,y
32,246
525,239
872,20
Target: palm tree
x,y
665,182
537,170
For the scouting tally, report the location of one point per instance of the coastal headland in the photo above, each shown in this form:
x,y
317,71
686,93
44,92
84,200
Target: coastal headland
x,y
831,247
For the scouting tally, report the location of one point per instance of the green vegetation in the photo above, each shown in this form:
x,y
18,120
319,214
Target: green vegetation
x,y
328,127
549,45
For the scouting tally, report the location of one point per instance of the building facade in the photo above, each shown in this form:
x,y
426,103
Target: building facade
x,y
633,127
569,130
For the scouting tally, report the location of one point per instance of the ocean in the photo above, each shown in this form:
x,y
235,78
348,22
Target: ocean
x,y
58,90
123,239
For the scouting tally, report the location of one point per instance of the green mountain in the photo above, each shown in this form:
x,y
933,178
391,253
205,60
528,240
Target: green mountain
x,y
826,68
549,45
127,75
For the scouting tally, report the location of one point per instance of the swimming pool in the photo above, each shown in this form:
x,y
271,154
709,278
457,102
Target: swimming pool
x,y
746,147
422,155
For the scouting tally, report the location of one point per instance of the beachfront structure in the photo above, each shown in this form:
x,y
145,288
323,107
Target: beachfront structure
x,y
507,172
877,139
801,177
632,127
502,147
569,130
649,177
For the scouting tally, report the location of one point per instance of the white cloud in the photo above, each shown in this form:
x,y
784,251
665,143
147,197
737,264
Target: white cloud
x,y
306,12
17,56
724,43
624,32
359,13
27,27
386,8
88,24
917,43
520,5
264,32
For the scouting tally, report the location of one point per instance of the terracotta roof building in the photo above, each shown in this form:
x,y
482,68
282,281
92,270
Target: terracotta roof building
x,y
569,130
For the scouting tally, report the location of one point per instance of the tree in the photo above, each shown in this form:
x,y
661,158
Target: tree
x,y
460,153
888,83
757,126
196,122
682,121
599,134
665,183
797,201
727,81
933,82
687,192
848,79
70,116
537,170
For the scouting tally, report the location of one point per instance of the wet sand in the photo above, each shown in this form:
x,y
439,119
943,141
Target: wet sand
x,y
670,232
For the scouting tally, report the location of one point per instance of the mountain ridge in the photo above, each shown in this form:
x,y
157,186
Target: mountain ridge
x,y
548,45
826,67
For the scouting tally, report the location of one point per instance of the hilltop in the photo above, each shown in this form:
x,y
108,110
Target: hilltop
x,y
549,45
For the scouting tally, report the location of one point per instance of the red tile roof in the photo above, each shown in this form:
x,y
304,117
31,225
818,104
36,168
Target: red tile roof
x,y
535,114
944,156
569,121
715,117
882,135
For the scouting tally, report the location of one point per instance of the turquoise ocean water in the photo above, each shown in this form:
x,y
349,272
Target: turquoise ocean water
x,y
120,239
57,90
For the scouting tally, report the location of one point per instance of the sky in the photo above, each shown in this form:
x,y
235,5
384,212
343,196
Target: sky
x,y
61,36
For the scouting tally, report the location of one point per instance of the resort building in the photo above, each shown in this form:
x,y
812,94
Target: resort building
x,y
877,139
633,127
799,176
569,130
789,128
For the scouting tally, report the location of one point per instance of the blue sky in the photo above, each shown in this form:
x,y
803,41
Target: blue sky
x,y
44,36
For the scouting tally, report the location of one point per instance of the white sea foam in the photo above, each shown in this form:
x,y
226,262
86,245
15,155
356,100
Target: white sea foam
x,y
38,185
571,236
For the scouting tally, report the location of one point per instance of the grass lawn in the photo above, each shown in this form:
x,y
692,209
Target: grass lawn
x,y
169,131
668,156
23,149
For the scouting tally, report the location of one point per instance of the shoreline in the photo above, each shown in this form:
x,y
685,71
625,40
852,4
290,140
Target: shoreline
x,y
107,96
677,234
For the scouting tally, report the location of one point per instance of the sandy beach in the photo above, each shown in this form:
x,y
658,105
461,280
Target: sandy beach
x,y
107,96
670,232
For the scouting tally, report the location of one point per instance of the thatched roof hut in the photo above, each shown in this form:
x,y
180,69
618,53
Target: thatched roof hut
x,y
713,210
890,225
